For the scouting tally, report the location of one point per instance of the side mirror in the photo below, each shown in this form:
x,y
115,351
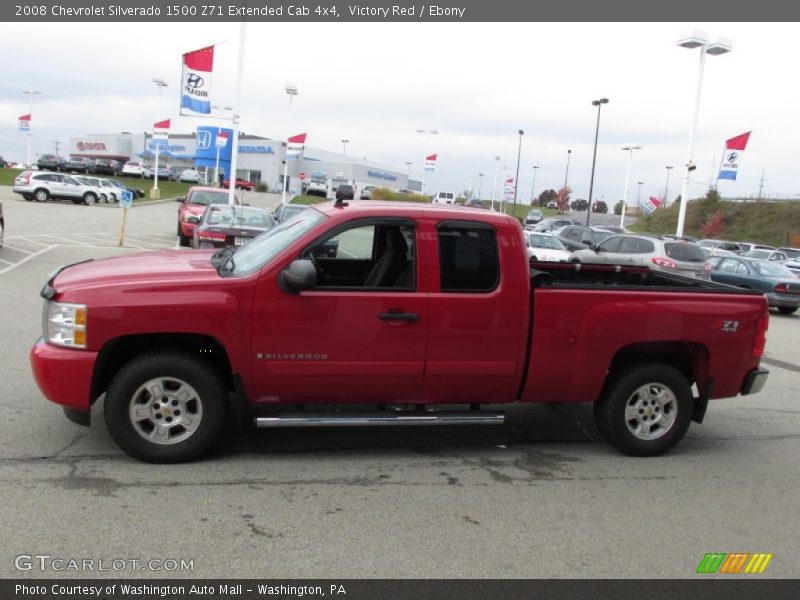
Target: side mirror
x,y
298,276
180,199
595,248
192,219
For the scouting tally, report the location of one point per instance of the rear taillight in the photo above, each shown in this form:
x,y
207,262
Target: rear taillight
x,y
781,288
760,339
664,262
211,235
707,267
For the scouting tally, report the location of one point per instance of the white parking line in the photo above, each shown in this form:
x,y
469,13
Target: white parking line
x,y
25,239
7,245
8,262
26,259
68,241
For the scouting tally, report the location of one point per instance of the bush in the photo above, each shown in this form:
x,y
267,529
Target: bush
x,y
262,187
384,194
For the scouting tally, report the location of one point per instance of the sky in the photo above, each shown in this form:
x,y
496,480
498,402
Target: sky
x,y
476,84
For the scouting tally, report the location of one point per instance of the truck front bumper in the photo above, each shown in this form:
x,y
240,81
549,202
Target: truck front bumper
x,y
754,381
65,377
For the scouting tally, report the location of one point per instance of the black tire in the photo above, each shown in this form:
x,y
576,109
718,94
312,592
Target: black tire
x,y
202,385
28,197
2,231
89,198
669,410
183,240
41,195
787,310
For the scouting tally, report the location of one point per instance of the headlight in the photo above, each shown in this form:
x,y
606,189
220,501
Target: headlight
x,y
187,215
65,324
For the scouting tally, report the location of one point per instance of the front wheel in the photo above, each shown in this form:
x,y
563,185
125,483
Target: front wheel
x,y
165,407
645,410
89,198
41,195
787,310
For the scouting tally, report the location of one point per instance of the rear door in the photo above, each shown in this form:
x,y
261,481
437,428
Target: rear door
x,y
478,314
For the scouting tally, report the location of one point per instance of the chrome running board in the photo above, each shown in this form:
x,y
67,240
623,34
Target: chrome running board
x,y
365,419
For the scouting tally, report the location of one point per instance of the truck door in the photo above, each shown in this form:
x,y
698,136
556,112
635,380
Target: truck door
x,y
360,335
478,315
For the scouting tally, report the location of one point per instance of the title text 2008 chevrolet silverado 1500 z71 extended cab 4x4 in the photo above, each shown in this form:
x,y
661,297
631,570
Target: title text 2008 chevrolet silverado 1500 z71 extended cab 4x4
x,y
420,306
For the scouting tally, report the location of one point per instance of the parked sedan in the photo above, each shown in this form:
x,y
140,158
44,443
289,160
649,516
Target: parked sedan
x,y
545,247
107,166
577,237
762,254
778,283
78,164
533,217
673,256
50,162
240,184
224,225
189,176
284,212
137,192
552,223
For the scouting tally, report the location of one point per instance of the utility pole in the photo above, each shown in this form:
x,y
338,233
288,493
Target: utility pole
x,y
57,144
761,185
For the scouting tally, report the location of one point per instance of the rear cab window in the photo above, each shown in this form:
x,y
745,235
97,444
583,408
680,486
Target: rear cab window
x,y
684,252
468,257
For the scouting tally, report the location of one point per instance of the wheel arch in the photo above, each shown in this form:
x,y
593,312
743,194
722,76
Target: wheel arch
x,y
119,351
691,359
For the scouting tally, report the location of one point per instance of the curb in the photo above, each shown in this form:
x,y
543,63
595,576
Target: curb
x,y
139,203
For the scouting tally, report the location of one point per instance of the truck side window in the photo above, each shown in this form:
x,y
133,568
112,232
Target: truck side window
x,y
468,257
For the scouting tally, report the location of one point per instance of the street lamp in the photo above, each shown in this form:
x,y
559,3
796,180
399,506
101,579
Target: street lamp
x,y
666,188
291,91
639,194
566,173
31,94
516,181
480,184
696,39
344,146
408,166
629,148
533,187
494,181
160,83
599,104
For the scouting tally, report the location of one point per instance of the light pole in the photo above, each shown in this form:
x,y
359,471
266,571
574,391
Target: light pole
x,y
697,39
639,194
426,133
408,166
566,173
599,104
480,184
666,188
629,148
516,181
291,91
533,187
31,94
494,181
344,146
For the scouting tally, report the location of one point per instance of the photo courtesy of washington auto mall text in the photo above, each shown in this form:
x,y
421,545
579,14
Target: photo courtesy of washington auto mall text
x,y
397,300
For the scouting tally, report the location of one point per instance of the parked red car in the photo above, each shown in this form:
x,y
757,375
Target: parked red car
x,y
421,306
240,184
192,207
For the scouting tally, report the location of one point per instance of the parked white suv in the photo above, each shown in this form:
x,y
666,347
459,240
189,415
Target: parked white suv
x,y
136,169
444,198
44,185
317,187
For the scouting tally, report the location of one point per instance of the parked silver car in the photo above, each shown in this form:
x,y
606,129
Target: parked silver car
x,y
662,254
44,185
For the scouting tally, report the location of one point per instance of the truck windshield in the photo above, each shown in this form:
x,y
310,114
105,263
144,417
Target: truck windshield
x,y
251,257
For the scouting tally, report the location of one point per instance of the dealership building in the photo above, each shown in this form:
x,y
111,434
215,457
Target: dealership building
x,y
259,159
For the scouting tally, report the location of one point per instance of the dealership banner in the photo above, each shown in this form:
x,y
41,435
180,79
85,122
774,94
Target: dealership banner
x,y
734,151
160,135
25,123
196,81
649,205
295,145
509,187
430,163
222,139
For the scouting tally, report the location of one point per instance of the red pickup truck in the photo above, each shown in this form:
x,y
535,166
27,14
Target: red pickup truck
x,y
425,314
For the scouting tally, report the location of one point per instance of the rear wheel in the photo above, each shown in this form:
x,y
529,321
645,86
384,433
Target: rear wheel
x,y
41,195
89,198
1,234
183,240
645,410
787,310
165,407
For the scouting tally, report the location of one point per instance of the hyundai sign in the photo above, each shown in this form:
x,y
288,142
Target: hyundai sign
x,y
382,175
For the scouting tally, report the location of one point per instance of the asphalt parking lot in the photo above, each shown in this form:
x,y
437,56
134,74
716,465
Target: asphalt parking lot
x,y
541,497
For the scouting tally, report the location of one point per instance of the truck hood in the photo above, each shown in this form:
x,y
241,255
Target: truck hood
x,y
144,268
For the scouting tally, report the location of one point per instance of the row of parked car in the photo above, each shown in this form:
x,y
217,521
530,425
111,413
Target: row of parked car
x,y
774,271
42,186
109,166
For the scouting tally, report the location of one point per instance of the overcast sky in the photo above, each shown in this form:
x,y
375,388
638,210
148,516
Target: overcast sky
x,y
477,84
